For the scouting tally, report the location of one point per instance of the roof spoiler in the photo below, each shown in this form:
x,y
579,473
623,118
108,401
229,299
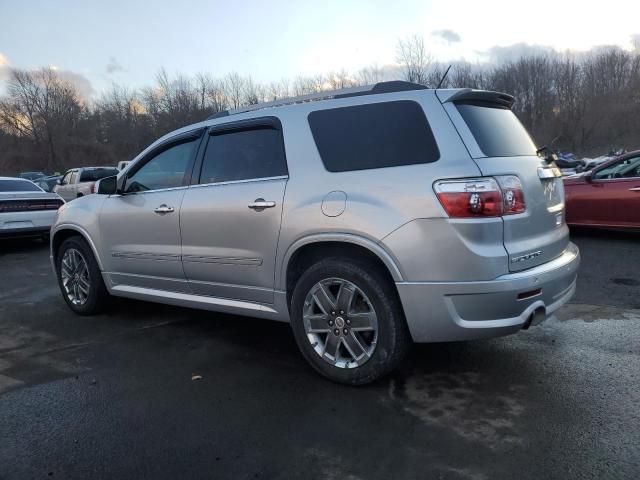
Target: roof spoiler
x,y
482,96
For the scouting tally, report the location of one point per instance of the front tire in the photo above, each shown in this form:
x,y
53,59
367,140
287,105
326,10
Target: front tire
x,y
79,277
348,322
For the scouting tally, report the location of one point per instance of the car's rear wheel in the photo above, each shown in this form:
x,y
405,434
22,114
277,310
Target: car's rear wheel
x,y
348,322
79,277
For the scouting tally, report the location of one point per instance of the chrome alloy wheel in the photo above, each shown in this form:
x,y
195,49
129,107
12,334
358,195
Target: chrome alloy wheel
x,y
340,323
75,276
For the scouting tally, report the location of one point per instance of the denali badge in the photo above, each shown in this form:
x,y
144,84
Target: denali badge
x,y
525,257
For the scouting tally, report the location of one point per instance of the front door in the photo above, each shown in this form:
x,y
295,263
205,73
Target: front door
x,y
140,228
613,196
230,216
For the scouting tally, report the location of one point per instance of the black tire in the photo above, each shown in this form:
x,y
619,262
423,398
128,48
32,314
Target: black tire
x,y
98,296
393,341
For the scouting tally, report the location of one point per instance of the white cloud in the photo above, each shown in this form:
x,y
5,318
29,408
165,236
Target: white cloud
x,y
447,35
503,54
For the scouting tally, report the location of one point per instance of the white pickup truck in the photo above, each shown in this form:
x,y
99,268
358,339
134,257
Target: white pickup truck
x,y
78,182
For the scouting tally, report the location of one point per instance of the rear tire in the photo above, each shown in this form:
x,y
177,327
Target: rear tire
x,y
348,322
79,277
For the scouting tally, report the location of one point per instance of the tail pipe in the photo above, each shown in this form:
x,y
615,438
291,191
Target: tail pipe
x,y
536,317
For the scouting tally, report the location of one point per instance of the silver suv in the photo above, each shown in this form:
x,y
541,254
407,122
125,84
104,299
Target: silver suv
x,y
368,218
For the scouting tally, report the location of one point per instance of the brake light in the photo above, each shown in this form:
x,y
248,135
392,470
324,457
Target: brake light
x,y
481,197
512,194
93,187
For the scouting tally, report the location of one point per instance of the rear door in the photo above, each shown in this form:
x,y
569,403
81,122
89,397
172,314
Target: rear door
x,y
500,145
230,216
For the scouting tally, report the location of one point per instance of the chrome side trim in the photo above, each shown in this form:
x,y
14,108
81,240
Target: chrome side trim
x,y
255,262
146,256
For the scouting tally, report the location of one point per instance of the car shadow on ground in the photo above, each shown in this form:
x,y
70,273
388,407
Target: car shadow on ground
x,y
22,245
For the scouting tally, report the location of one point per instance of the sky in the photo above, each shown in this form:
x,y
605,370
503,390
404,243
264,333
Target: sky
x,y
98,43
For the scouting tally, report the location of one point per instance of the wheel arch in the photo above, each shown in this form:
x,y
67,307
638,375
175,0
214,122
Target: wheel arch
x,y
62,232
307,250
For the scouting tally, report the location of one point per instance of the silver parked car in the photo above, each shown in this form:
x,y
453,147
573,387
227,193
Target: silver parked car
x,y
367,218
26,210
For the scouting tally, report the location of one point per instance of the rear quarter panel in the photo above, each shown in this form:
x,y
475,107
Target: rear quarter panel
x,y
378,201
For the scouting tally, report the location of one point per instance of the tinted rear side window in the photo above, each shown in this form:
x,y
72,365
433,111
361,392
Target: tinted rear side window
x,y
95,174
243,155
378,135
497,130
18,186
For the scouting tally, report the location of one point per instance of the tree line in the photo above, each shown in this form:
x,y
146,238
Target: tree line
x,y
587,103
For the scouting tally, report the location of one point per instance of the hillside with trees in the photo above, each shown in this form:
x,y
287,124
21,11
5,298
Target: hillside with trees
x,y
588,102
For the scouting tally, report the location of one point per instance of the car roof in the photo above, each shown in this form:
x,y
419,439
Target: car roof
x,y
16,178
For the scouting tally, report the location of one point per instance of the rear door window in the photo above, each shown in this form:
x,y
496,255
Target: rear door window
x,y
377,135
243,155
496,129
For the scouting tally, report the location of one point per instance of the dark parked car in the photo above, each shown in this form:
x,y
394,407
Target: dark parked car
x,y
607,196
31,175
47,183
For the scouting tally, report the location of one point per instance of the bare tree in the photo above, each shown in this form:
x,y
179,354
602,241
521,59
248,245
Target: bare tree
x,y
414,59
41,106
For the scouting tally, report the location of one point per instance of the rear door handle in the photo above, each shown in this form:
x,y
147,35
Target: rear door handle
x,y
260,204
634,189
162,209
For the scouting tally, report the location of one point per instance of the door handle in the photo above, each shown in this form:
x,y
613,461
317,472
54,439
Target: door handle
x,y
634,189
162,209
260,204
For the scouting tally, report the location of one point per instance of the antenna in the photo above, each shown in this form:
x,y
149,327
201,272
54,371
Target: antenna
x,y
444,76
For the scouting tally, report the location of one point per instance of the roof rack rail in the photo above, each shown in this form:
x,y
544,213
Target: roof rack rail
x,y
377,88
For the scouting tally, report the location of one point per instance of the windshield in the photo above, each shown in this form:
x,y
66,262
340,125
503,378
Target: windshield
x,y
497,130
18,186
97,173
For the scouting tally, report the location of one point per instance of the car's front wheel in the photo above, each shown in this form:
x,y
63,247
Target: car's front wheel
x,y
79,277
348,322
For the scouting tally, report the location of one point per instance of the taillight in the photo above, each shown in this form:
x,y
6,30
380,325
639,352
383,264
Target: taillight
x,y
512,194
481,197
93,187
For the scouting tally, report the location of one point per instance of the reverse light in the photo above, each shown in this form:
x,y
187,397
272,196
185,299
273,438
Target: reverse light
x,y
481,197
512,194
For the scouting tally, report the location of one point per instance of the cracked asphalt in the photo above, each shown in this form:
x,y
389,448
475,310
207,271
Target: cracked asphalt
x,y
112,396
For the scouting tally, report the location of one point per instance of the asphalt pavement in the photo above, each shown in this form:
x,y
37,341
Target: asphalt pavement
x,y
150,391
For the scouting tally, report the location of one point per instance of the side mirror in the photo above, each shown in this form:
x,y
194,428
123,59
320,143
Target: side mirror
x,y
107,186
59,181
588,177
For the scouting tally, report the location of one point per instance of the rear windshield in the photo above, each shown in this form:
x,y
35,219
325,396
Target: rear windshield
x,y
97,173
18,186
377,135
497,130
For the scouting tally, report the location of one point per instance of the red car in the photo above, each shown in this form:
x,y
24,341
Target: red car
x,y
607,196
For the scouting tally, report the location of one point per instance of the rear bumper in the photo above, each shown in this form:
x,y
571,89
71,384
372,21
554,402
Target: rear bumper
x,y
452,311
19,224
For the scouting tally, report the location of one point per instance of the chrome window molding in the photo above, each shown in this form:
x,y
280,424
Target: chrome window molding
x,y
232,182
